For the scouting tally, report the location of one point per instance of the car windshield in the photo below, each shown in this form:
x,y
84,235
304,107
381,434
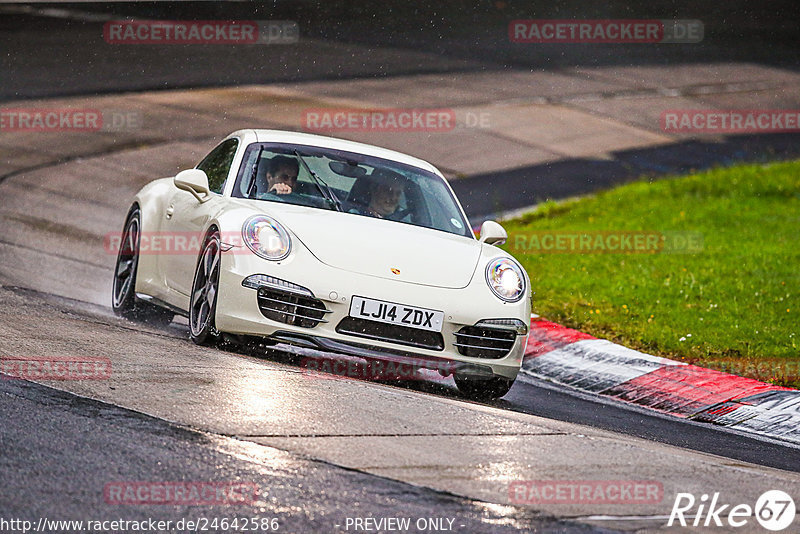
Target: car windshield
x,y
349,182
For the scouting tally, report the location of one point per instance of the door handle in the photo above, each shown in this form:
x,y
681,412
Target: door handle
x,y
170,211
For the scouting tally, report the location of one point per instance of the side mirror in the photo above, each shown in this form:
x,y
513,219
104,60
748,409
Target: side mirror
x,y
493,234
194,181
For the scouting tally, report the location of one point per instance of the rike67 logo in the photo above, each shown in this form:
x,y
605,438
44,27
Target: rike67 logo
x,y
774,510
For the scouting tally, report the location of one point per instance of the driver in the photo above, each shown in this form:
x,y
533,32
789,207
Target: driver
x,y
282,175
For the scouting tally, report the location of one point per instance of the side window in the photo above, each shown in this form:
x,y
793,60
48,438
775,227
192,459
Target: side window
x,y
217,164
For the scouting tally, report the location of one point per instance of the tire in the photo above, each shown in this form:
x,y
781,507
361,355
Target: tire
x,y
205,289
123,291
483,389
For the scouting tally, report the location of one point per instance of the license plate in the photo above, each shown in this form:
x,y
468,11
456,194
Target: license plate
x,y
399,314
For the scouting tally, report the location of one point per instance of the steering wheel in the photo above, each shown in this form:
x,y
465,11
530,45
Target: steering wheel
x,y
399,215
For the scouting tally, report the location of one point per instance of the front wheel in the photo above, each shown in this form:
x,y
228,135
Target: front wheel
x,y
123,294
483,389
203,305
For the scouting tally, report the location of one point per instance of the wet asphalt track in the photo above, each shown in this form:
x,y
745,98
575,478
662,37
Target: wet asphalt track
x,y
58,448
59,471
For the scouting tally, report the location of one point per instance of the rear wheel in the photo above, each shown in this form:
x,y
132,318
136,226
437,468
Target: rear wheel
x,y
123,293
203,304
483,389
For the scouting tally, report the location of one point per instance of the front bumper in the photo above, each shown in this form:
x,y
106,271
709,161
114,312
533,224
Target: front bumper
x,y
238,312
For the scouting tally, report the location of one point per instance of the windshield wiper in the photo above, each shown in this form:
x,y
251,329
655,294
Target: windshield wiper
x,y
251,187
327,192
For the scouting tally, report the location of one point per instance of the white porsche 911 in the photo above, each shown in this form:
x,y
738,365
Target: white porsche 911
x,y
329,244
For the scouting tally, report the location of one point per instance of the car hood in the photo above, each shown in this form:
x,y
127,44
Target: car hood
x,y
376,247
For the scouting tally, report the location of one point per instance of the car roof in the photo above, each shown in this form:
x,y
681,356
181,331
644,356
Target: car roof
x,y
322,141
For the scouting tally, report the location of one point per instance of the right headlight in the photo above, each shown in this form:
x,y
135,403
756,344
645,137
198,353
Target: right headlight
x,y
505,279
266,237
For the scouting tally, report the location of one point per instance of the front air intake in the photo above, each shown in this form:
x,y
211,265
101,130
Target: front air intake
x,y
391,333
482,342
291,308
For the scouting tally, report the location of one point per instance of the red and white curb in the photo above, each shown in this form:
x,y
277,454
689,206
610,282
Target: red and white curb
x,y
572,358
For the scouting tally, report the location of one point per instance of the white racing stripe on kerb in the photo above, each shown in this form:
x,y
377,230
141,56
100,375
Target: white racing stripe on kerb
x,y
594,364
777,416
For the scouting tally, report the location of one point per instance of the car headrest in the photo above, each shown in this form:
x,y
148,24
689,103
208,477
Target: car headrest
x,y
360,192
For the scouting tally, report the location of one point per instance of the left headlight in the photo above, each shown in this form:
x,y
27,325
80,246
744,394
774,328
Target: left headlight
x,y
266,237
505,279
